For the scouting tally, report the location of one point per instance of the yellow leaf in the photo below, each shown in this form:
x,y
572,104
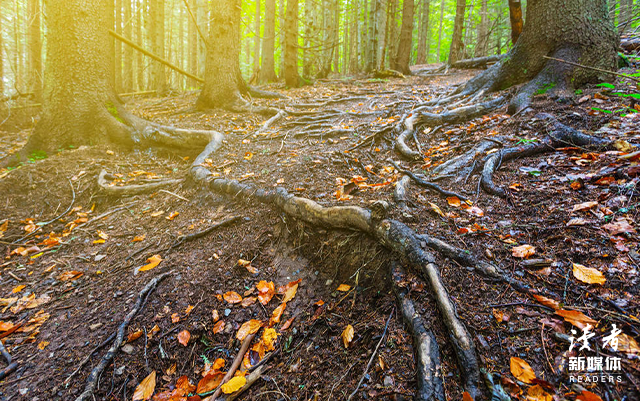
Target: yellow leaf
x,y
247,265
584,206
269,337
248,156
138,238
158,213
42,345
588,275
521,370
436,209
289,290
453,201
145,389
233,385
347,335
172,216
152,262
189,309
537,393
98,241
250,327
343,287
18,289
523,251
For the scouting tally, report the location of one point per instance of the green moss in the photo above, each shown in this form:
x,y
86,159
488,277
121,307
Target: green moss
x,y
545,88
111,108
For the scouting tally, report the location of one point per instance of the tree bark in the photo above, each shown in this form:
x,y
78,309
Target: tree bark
x,y
483,31
291,77
438,53
118,46
193,43
401,61
157,38
625,16
268,70
256,39
423,38
35,50
222,69
578,31
515,16
128,52
456,49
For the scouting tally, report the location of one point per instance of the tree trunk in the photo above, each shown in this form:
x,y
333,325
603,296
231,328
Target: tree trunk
x,y
438,53
222,68
35,50
1,57
256,39
157,37
128,51
481,44
193,42
456,49
291,77
268,70
625,16
578,31
118,48
79,105
401,62
515,15
423,38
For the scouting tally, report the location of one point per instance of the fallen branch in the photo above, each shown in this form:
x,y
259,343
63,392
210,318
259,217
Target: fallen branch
x,y
190,237
92,380
478,62
87,359
134,189
234,366
375,352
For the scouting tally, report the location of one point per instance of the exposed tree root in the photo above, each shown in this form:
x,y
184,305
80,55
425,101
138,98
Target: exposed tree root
x,y
427,354
280,115
479,62
426,184
328,102
133,189
401,146
391,233
11,366
261,93
559,135
400,192
459,115
463,165
92,380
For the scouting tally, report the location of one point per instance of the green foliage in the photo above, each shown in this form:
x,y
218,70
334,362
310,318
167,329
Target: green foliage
x,y
545,88
111,108
606,85
37,155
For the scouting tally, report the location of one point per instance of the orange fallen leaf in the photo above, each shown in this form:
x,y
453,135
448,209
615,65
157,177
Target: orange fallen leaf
x,y
343,287
466,396
287,324
18,288
523,251
183,383
347,335
152,262
70,275
134,336
210,382
232,297
215,315
3,227
145,389
578,319
42,345
175,318
537,393
453,201
183,337
521,370
189,309
6,326
247,265
277,313
551,303
250,327
248,301
218,327
233,385
588,275
266,291
586,395
155,329
172,216
138,238
289,290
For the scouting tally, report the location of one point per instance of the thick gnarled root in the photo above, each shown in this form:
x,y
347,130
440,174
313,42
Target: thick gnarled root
x,y
559,136
465,164
133,189
427,354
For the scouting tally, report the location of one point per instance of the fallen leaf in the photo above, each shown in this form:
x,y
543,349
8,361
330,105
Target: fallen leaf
x,y
138,238
626,344
172,369
152,262
145,389
521,370
6,326
155,329
523,251
215,315
347,335
577,221
42,345
277,313
183,383
474,211
578,319
18,288
247,265
158,213
436,209
172,216
584,206
250,327
232,297
551,303
289,290
3,227
248,301
537,393
287,324
588,275
269,337
248,155
266,291
183,337
233,385
175,318
210,382
29,302
343,287
218,327
453,201
499,315
621,225
134,336
188,309
70,275
466,396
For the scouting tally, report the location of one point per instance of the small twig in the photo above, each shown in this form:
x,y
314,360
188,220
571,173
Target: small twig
x,y
375,352
426,184
174,194
87,359
190,237
591,68
234,365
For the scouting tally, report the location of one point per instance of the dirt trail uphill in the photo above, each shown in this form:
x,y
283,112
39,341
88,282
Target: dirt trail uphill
x,y
472,245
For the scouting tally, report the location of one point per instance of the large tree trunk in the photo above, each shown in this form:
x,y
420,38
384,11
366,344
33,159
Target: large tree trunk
x,y
483,31
423,36
128,51
35,50
515,16
222,68
193,43
578,31
157,37
256,39
456,49
401,61
268,70
79,105
291,77
438,53
626,15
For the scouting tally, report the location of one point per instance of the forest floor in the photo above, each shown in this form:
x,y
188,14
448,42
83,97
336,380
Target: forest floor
x,y
69,291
